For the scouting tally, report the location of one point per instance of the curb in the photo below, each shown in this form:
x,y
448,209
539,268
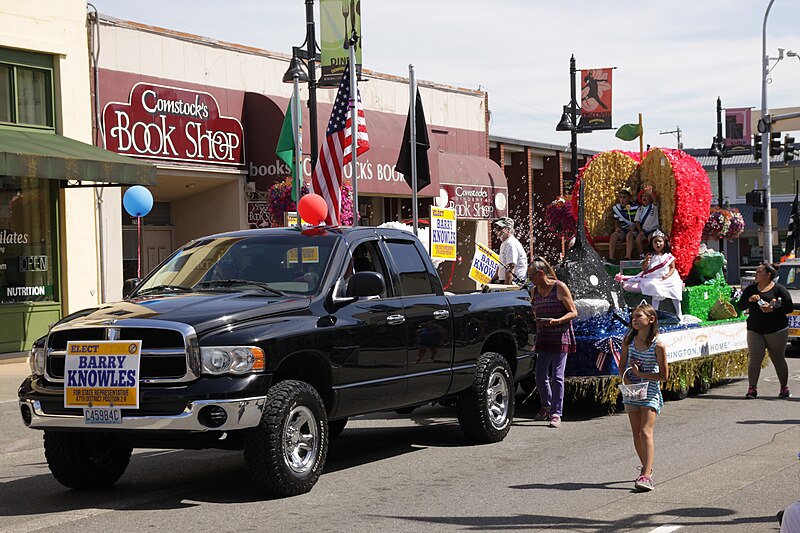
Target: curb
x,y
13,357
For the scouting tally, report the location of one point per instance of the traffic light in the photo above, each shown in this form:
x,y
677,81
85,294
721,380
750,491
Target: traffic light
x,y
758,217
789,148
775,147
757,146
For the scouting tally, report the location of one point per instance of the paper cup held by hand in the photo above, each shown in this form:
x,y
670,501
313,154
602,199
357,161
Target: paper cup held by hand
x,y
138,201
313,209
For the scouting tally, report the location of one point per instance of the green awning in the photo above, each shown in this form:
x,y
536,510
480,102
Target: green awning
x,y
35,154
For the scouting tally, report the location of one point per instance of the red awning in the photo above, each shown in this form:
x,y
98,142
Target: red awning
x,y
263,117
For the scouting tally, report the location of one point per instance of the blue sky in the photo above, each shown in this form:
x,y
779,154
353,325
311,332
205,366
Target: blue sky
x,y
673,58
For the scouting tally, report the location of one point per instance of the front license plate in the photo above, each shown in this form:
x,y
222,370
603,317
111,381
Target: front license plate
x,y
102,415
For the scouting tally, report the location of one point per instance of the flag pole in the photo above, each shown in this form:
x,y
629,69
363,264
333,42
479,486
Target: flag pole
x,y
412,106
641,139
298,145
354,123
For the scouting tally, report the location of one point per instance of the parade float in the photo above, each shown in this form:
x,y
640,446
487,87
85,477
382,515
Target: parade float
x,y
709,344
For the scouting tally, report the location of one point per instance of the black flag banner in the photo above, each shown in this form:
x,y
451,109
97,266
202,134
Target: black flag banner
x,y
423,143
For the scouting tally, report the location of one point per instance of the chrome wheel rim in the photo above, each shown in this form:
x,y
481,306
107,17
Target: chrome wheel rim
x,y
497,399
300,439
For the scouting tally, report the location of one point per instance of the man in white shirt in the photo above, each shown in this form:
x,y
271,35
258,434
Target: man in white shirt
x,y
513,258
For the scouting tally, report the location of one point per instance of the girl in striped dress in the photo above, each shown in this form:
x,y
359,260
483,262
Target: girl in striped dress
x,y
646,358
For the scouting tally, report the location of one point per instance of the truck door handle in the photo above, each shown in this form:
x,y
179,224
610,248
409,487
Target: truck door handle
x,y
441,314
394,320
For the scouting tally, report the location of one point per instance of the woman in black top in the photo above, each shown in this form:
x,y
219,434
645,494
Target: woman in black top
x,y
767,326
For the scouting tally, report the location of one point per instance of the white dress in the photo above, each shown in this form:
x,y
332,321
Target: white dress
x,y
649,281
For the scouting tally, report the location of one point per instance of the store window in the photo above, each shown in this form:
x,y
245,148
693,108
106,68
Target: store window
x,y
28,261
26,89
781,180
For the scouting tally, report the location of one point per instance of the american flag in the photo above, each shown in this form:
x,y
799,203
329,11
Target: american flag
x,y
605,347
336,149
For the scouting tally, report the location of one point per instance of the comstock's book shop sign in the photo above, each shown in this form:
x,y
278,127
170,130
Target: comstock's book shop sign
x,y
162,122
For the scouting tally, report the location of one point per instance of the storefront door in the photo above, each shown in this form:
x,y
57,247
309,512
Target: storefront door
x,y
156,246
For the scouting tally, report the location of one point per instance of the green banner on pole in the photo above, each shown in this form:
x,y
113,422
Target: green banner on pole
x,y
338,18
286,147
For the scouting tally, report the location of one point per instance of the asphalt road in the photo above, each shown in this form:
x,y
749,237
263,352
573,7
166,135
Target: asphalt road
x,y
723,464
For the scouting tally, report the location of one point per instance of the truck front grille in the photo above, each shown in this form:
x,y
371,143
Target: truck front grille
x,y
163,350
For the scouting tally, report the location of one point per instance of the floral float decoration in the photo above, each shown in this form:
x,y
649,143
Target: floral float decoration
x,y
560,217
279,197
679,181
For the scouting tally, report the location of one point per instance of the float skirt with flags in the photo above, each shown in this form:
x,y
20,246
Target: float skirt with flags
x,y
336,149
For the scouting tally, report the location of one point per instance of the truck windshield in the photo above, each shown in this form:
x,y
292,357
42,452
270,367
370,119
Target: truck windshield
x,y
789,276
274,264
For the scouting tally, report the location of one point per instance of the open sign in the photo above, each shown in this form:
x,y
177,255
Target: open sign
x,y
33,263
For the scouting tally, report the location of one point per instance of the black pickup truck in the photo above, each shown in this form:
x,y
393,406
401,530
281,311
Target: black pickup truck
x,y
267,341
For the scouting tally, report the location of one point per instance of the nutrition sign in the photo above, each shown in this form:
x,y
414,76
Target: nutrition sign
x,y
484,264
443,233
102,374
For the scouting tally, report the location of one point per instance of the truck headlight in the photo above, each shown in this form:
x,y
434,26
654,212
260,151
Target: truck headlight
x,y
231,359
36,360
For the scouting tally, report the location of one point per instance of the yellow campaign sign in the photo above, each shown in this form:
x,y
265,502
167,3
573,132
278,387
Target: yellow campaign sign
x,y
102,374
310,254
290,219
794,323
484,265
443,233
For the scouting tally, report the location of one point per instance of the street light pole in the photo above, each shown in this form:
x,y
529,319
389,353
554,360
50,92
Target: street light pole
x,y
582,268
311,49
573,115
719,147
765,141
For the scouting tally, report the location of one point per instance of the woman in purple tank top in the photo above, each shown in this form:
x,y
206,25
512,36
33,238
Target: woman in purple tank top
x,y
554,310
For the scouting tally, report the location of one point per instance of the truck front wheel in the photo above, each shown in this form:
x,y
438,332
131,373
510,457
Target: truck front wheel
x,y
85,461
486,409
286,451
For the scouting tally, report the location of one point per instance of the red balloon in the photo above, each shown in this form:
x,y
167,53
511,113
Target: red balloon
x,y
313,209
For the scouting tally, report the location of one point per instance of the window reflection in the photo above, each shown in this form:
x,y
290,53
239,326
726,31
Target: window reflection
x,y
27,259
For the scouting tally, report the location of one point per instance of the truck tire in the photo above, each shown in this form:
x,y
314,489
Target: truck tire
x,y
335,427
286,451
85,460
486,409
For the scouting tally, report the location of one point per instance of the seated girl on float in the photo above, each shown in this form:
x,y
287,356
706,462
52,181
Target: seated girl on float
x,y
646,216
658,277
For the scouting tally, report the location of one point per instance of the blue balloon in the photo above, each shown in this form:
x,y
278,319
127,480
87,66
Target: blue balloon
x,y
138,201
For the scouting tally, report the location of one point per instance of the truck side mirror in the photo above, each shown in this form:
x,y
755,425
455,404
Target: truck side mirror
x,y
362,284
129,285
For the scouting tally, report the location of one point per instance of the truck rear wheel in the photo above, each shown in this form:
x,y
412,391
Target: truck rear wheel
x,y
286,451
486,409
85,460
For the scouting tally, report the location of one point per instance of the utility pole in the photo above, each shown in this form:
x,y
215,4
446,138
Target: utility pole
x,y
676,131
